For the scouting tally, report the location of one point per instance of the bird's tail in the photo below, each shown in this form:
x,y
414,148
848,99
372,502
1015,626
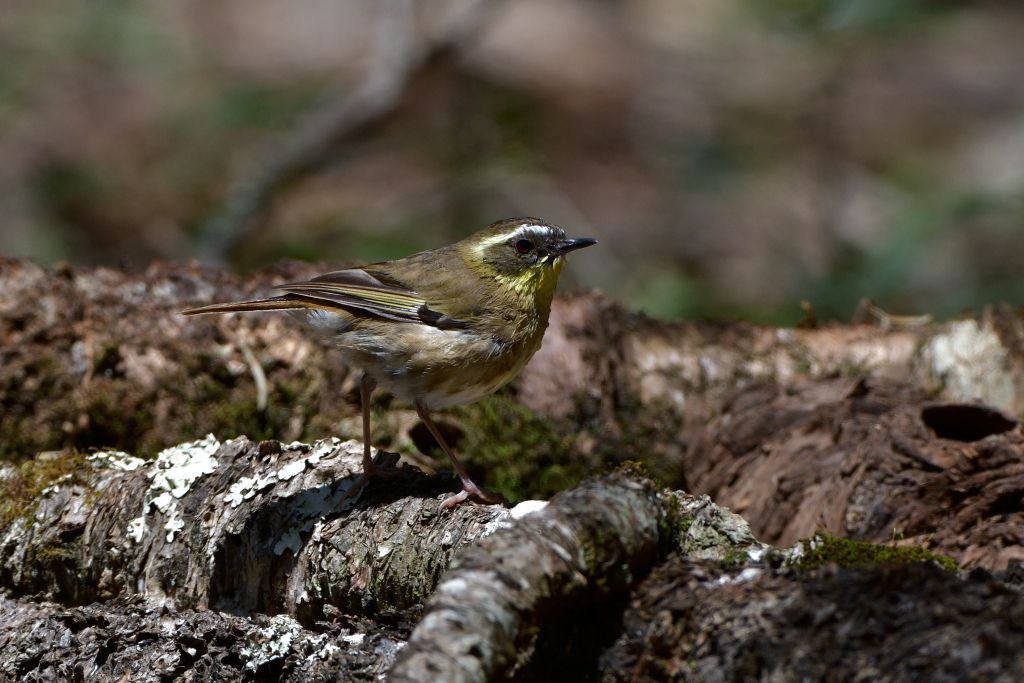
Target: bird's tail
x,y
279,303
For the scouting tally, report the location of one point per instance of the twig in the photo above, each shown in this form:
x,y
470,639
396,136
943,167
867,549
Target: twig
x,y
315,141
258,375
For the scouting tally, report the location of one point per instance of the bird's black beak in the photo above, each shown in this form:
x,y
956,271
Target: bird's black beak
x,y
567,245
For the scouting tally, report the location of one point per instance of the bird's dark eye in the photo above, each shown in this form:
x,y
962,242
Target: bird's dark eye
x,y
524,246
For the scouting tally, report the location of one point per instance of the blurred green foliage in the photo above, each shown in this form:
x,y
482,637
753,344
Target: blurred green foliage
x,y
830,16
144,125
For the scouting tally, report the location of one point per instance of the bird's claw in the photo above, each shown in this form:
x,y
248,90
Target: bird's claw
x,y
474,492
384,465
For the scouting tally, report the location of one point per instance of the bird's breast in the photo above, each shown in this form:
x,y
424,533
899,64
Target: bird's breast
x,y
440,367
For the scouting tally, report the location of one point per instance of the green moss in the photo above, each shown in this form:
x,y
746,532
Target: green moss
x,y
823,549
672,525
734,558
20,491
518,453
647,433
54,550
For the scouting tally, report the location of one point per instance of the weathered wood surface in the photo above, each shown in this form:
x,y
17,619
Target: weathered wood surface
x,y
587,545
228,533
588,541
82,349
238,527
497,613
847,429
142,642
867,459
691,621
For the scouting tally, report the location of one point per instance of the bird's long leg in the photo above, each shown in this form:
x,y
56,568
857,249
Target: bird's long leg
x,y
371,468
469,489
366,387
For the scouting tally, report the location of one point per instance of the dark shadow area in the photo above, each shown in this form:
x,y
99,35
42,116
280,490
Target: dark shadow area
x,y
426,443
250,574
965,422
567,648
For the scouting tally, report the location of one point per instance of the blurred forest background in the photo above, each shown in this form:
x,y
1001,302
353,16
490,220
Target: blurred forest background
x,y
734,157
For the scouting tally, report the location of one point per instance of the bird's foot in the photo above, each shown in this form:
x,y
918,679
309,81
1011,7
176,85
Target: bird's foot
x,y
471,491
384,465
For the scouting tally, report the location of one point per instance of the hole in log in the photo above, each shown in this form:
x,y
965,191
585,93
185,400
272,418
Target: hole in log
x,y
965,422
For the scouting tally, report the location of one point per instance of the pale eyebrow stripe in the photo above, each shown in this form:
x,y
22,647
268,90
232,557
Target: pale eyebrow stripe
x,y
521,231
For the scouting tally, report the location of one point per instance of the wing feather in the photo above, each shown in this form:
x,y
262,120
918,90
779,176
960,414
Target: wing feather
x,y
354,291
357,289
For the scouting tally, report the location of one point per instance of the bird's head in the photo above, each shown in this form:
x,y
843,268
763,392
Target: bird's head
x,y
522,254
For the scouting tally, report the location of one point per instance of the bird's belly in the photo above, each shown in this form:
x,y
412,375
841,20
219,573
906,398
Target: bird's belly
x,y
438,368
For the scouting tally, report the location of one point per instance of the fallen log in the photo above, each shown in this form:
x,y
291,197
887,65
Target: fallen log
x,y
587,545
82,349
856,430
131,639
903,622
235,526
867,459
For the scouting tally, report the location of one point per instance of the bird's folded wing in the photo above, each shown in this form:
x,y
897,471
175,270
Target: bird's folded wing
x,y
357,289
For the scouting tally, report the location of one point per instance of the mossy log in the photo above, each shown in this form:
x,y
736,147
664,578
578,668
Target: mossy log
x,y
240,530
213,537
870,431
867,459
142,642
238,526
690,621
100,358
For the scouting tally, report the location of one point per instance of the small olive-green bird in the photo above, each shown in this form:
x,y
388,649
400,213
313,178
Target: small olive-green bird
x,y
440,328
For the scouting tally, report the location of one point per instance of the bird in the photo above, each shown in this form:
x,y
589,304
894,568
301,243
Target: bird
x,y
440,328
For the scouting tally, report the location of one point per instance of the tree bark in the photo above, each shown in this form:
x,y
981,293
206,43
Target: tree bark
x,y
866,431
238,527
691,621
100,358
867,459
136,640
588,541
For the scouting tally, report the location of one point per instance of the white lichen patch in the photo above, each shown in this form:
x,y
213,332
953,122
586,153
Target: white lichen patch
x,y
505,519
313,505
247,487
748,574
527,507
137,529
283,638
54,486
174,471
291,540
755,554
118,460
174,524
969,363
355,639
292,470
177,468
243,489
502,520
162,503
